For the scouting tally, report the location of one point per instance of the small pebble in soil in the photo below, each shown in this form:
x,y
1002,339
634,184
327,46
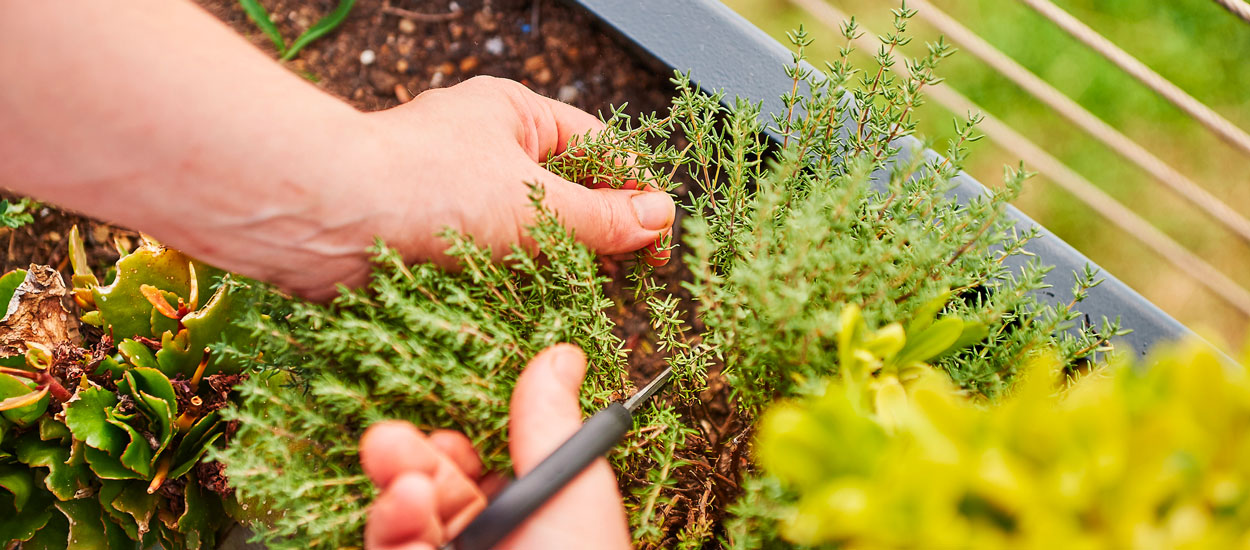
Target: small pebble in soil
x,y
436,81
367,57
568,93
401,66
485,21
406,26
544,76
402,93
495,46
383,81
468,64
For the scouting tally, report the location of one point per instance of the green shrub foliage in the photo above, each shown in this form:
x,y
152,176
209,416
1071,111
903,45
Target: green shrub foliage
x,y
1147,458
783,245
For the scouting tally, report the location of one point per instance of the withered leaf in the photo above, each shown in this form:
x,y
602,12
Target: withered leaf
x,y
39,312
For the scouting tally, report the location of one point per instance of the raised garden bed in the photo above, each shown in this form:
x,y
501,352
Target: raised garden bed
x,y
593,54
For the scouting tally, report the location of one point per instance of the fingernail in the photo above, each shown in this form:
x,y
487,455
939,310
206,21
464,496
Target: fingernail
x,y
654,210
567,362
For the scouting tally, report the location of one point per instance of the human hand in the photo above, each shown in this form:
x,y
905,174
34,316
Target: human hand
x,y
461,157
244,165
431,486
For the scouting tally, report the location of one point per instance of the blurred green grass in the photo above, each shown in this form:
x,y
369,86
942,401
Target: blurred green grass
x,y
1194,43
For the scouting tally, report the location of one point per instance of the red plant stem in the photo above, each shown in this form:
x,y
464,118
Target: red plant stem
x,y
56,389
44,380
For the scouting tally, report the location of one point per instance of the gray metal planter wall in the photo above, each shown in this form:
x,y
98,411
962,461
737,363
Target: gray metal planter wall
x,y
723,51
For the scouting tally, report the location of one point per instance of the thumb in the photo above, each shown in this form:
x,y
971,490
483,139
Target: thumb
x,y
545,412
610,221
545,406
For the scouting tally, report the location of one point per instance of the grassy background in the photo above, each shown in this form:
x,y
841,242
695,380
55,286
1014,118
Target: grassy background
x,y
1194,43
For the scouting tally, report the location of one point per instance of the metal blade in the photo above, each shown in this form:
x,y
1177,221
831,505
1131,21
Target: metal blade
x,y
653,387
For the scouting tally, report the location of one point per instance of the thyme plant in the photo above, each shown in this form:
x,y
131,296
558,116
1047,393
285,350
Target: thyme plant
x,y
780,243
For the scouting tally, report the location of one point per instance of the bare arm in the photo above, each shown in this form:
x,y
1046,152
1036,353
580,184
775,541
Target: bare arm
x,y
154,115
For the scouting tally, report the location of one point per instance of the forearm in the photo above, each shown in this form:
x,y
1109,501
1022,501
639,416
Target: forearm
x,y
154,115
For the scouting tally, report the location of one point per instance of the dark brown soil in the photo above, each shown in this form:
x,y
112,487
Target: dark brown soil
x,y
417,45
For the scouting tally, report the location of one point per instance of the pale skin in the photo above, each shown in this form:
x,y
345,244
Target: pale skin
x,y
153,115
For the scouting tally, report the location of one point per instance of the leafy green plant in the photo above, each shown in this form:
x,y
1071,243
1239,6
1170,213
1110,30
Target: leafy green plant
x,y
784,248
1123,458
257,13
14,214
102,447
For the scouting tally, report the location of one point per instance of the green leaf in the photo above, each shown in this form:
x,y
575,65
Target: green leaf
x,y
154,383
320,28
83,276
931,341
974,332
260,17
23,525
86,525
191,458
53,535
11,386
8,285
122,306
19,481
109,490
107,467
133,500
925,314
204,516
137,354
138,454
181,353
65,478
51,429
88,421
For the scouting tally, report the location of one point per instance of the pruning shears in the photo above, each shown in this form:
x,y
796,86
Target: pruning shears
x,y
522,497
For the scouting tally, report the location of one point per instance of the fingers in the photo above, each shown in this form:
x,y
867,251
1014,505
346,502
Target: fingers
x,y
404,516
545,405
456,447
390,450
554,125
610,221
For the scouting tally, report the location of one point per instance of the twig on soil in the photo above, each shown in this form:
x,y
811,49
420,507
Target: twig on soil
x,y
422,17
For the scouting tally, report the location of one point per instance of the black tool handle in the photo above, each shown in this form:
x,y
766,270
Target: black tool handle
x,y
522,497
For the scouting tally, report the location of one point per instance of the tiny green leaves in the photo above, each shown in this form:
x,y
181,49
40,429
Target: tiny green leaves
x,y
14,214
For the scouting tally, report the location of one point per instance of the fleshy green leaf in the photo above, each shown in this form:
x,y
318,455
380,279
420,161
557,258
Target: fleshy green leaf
x,y
22,525
107,467
9,283
13,387
51,429
122,305
137,354
65,479
88,421
86,526
19,482
931,341
52,535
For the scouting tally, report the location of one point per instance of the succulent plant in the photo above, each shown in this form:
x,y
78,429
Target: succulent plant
x,y
102,447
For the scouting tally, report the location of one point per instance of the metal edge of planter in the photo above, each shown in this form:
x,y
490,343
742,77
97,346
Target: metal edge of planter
x,y
725,52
